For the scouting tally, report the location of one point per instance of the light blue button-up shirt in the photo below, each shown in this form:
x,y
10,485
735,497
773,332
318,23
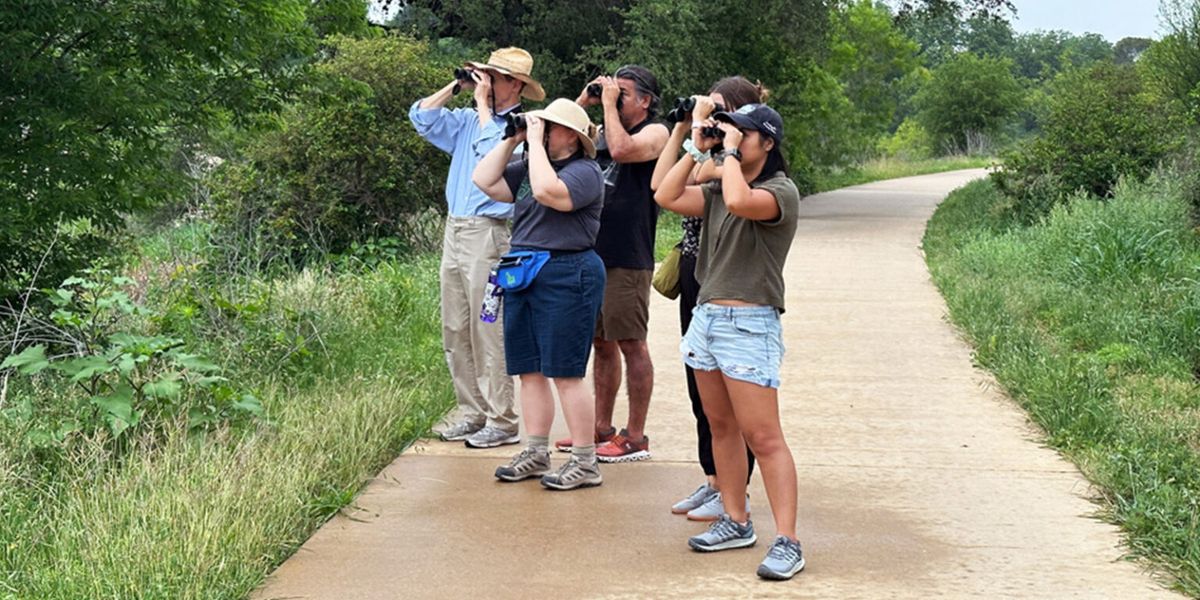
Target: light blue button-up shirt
x,y
457,132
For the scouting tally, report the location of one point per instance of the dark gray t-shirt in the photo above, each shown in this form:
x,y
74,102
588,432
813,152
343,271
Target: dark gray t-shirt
x,y
536,225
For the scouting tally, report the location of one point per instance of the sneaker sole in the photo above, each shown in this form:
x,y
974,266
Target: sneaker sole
x,y
504,442
706,518
455,438
634,457
581,484
730,545
516,478
766,573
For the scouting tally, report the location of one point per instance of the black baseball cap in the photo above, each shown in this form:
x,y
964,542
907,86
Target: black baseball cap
x,y
755,116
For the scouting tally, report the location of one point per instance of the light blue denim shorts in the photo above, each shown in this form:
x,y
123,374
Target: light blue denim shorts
x,y
743,342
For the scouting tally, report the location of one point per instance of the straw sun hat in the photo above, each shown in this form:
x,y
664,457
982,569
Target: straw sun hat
x,y
572,116
517,63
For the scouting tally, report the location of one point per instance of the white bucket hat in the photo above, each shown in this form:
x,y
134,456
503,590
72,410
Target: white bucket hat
x,y
572,116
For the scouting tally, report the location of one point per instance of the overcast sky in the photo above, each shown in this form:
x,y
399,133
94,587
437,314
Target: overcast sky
x,y
1114,19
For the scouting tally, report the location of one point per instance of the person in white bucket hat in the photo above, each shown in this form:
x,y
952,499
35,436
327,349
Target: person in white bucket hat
x,y
476,236
558,191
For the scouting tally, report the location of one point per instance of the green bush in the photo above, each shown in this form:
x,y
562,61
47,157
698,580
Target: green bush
x,y
968,102
1100,125
910,142
346,164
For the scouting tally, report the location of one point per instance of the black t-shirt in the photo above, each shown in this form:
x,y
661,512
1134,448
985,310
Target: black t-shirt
x,y
630,215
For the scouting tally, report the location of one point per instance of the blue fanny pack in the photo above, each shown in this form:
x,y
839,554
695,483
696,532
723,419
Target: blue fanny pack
x,y
519,268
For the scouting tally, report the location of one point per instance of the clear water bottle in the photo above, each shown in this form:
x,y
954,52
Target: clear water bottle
x,y
493,294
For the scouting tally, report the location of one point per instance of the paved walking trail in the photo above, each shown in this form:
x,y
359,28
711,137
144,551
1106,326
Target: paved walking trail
x,y
917,477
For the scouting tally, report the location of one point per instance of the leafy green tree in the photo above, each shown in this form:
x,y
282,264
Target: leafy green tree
x,y
345,165
1173,63
101,102
870,57
988,36
1128,50
1041,55
1101,124
969,97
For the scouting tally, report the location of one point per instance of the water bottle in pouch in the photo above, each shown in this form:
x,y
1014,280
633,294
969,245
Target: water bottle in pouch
x,y
493,295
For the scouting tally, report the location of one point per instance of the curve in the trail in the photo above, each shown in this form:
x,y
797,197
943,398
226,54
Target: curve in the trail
x,y
917,477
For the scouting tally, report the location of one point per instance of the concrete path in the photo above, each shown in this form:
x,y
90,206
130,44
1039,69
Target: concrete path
x,y
917,478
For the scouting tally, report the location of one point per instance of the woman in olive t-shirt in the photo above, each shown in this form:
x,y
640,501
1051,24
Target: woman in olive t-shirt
x,y
734,342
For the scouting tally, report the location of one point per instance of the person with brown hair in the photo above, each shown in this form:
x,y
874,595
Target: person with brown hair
x,y
734,342
730,93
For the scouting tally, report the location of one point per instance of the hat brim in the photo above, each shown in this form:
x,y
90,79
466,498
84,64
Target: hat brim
x,y
532,90
736,119
589,146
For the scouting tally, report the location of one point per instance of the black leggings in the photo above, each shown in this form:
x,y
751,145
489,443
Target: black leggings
x,y
689,290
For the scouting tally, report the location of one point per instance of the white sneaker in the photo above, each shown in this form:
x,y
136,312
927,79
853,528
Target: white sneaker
x,y
490,437
713,509
695,500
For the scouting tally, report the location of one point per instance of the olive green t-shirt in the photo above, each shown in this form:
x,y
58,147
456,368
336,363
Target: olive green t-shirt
x,y
742,259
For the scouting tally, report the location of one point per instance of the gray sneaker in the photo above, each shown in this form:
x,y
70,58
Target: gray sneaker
x,y
490,437
712,509
531,462
724,534
573,474
695,500
459,431
783,560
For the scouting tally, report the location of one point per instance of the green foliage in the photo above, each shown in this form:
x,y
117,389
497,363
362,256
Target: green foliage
x,y
1173,63
1091,320
339,17
1101,125
103,100
968,102
870,57
345,164
910,142
1129,50
1041,55
132,384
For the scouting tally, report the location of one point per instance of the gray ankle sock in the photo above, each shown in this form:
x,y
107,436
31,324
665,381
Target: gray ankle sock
x,y
540,442
584,454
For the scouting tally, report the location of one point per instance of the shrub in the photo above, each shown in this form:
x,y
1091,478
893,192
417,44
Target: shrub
x,y
910,142
346,164
968,101
1101,125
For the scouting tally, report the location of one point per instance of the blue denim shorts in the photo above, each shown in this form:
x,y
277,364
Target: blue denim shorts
x,y
743,342
548,326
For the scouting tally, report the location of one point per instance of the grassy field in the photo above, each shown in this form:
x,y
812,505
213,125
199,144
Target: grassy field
x,y
348,364
1091,321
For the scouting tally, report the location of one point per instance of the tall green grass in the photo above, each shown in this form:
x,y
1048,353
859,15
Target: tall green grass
x,y
211,517
1091,320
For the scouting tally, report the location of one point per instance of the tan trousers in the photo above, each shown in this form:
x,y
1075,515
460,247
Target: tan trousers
x,y
475,349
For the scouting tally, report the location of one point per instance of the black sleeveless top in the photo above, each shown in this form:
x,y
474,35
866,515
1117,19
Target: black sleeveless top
x,y
627,224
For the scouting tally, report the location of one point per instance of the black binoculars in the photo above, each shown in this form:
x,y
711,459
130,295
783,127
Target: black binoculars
x,y
514,124
595,90
684,107
462,76
712,131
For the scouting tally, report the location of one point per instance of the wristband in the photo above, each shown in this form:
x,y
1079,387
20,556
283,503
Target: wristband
x,y
697,124
697,155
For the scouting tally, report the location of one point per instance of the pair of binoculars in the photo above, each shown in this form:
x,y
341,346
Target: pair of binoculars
x,y
684,107
712,131
514,124
595,90
462,76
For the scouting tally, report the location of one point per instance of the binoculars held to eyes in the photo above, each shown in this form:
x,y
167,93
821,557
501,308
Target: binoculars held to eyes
x,y
712,131
462,76
595,90
514,124
684,107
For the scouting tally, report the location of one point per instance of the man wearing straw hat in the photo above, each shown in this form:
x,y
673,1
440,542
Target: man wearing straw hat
x,y
475,238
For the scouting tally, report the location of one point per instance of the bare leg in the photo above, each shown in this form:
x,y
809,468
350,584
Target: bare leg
x,y
639,382
537,404
579,409
729,450
606,374
757,411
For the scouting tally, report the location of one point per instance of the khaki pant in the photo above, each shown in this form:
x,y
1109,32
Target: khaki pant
x,y
475,349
